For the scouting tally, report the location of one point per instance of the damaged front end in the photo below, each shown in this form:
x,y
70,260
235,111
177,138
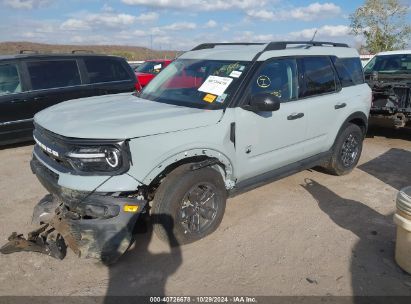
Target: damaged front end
x,y
391,98
93,225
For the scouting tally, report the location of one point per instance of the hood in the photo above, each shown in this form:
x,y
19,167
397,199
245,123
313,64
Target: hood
x,y
121,116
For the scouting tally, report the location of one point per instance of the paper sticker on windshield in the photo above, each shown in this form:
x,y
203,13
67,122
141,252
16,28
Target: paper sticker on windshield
x,y
235,74
209,98
221,98
157,67
215,85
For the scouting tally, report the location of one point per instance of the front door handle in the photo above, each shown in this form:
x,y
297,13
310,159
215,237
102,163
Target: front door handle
x,y
295,116
38,98
340,105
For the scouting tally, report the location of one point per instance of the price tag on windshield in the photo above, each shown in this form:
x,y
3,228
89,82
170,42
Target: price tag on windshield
x,y
215,85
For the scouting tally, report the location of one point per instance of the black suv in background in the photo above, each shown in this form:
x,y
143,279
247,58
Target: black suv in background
x,y
389,76
30,83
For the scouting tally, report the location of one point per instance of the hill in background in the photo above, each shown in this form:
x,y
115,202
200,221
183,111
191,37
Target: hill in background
x,y
129,52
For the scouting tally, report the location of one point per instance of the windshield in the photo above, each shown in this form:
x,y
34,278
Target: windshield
x,y
400,63
196,83
151,67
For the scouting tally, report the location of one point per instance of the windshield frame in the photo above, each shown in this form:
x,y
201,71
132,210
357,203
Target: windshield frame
x,y
233,88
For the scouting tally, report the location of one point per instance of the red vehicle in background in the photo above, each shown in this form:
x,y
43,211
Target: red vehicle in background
x,y
149,69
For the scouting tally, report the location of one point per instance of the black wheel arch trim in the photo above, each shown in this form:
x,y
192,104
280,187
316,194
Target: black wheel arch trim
x,y
354,118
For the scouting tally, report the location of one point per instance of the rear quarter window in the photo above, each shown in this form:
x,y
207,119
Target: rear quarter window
x,y
53,74
105,70
349,71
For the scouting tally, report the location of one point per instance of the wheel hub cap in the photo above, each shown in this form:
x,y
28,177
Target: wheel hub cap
x,y
199,208
349,151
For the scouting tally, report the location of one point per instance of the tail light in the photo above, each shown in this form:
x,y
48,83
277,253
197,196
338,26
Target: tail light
x,y
138,86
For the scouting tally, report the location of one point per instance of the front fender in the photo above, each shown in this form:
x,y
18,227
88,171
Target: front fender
x,y
152,155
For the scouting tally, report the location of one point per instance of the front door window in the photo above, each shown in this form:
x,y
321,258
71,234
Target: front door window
x,y
279,78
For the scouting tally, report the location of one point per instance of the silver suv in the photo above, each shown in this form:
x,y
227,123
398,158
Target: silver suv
x,y
222,118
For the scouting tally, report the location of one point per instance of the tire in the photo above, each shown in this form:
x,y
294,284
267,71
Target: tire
x,y
347,151
175,221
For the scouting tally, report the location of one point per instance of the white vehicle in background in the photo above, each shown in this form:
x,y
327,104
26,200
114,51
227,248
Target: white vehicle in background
x,y
365,59
220,119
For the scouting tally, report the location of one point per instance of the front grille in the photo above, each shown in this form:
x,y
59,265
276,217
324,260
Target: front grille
x,y
403,97
52,148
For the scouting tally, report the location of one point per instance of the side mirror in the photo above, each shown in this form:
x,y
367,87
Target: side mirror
x,y
263,102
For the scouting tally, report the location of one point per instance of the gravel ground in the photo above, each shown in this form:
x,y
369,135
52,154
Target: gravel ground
x,y
308,234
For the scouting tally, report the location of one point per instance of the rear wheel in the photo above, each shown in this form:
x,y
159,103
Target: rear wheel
x,y
347,151
188,205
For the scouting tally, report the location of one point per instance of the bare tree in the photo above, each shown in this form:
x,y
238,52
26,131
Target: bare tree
x,y
383,23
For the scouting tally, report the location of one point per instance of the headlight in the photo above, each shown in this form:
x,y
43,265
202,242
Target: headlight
x,y
98,159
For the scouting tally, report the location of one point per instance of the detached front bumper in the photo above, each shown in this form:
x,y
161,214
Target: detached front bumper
x,y
93,225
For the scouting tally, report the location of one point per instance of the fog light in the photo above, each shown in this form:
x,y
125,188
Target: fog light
x,y
130,208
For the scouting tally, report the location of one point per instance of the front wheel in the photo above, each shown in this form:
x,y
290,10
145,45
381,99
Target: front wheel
x,y
188,205
347,151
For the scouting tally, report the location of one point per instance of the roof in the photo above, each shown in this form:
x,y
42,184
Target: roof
x,y
158,60
248,51
56,55
399,52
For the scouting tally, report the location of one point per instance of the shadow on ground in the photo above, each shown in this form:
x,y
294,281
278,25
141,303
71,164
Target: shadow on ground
x,y
373,269
379,129
140,272
17,145
393,168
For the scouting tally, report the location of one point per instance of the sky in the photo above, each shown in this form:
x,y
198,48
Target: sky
x,y
174,24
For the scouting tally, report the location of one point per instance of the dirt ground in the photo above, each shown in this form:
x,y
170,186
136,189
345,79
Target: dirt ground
x,y
308,234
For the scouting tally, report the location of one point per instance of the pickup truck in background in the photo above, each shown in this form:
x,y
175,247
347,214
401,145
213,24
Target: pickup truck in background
x,y
389,76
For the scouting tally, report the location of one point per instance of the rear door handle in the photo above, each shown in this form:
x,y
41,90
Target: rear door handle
x,y
37,98
340,105
295,116
17,100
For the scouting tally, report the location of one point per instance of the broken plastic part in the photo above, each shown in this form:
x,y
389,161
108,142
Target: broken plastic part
x,y
39,240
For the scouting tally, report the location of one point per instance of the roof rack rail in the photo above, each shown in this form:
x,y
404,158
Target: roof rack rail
x,y
281,45
28,52
82,51
212,45
271,46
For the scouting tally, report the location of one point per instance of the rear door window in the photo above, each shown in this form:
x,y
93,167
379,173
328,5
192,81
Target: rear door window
x,y
318,76
349,71
53,74
9,79
105,70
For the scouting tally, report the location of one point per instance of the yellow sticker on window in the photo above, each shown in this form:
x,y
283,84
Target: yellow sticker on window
x,y
209,98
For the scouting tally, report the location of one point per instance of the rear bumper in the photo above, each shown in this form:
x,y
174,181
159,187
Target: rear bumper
x,y
94,225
